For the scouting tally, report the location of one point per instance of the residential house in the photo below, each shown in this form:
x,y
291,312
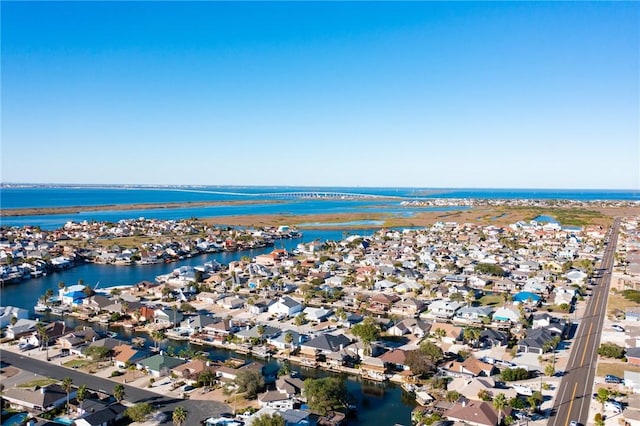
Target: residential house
x,y
490,338
444,309
473,314
253,332
470,367
538,341
109,415
470,387
38,398
447,333
167,317
415,326
373,368
21,328
633,356
124,355
408,307
475,413
160,365
507,315
395,359
323,345
383,301
9,312
285,306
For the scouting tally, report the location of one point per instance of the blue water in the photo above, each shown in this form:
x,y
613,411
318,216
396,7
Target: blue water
x,y
545,219
16,419
87,196
64,420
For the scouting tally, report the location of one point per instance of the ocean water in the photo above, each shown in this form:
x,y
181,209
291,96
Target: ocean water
x,y
22,197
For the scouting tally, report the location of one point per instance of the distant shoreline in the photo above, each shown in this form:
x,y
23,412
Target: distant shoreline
x,y
44,211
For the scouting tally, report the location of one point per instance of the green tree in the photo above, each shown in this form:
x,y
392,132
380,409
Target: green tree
x,y
603,396
326,394
179,416
97,353
269,420
119,392
67,385
424,359
260,329
157,336
549,370
499,403
452,396
514,374
139,412
484,395
81,395
13,320
535,400
300,319
367,331
206,378
249,382
611,350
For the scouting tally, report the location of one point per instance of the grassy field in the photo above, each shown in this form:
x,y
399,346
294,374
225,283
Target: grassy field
x,y
39,382
618,303
77,363
615,368
491,300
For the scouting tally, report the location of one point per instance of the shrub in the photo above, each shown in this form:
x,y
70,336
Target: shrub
x,y
611,350
514,374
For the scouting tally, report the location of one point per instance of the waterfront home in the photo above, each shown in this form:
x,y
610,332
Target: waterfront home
x,y
475,413
373,368
38,398
21,328
291,386
76,338
443,309
470,367
275,399
159,365
192,369
166,317
73,295
254,332
124,355
285,306
9,312
197,323
52,331
324,344
97,302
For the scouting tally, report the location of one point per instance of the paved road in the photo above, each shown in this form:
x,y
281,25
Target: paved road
x,y
198,410
574,394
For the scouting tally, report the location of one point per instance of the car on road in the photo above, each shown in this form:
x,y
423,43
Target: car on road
x,y
610,378
617,327
188,388
574,423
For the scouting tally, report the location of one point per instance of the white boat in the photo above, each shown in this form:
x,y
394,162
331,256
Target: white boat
x,y
40,307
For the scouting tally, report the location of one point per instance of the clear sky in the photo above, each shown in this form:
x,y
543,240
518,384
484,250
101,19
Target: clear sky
x,y
452,94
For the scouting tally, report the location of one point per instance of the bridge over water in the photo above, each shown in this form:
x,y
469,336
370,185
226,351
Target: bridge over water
x,y
296,194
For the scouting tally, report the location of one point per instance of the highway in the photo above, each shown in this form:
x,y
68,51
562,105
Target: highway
x,y
574,394
198,410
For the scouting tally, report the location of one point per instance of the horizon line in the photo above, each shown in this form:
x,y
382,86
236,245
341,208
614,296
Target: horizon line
x,y
149,185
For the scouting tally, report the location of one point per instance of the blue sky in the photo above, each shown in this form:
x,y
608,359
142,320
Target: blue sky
x,y
452,94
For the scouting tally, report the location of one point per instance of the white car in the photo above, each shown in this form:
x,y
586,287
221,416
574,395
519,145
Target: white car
x,y
617,327
613,406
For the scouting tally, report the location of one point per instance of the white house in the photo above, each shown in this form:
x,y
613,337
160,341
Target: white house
x,y
285,306
8,312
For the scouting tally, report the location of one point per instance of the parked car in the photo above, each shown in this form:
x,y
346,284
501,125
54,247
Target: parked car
x,y
188,388
610,378
613,406
574,423
617,327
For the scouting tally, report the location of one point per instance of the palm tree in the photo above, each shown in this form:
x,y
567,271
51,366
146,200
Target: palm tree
x,y
157,335
499,402
179,416
260,330
118,392
81,395
67,385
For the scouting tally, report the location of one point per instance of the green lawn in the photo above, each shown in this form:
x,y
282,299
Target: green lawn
x,y
491,300
77,363
38,382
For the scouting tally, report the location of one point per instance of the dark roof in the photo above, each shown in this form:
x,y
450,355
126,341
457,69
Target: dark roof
x,y
106,415
328,342
633,353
